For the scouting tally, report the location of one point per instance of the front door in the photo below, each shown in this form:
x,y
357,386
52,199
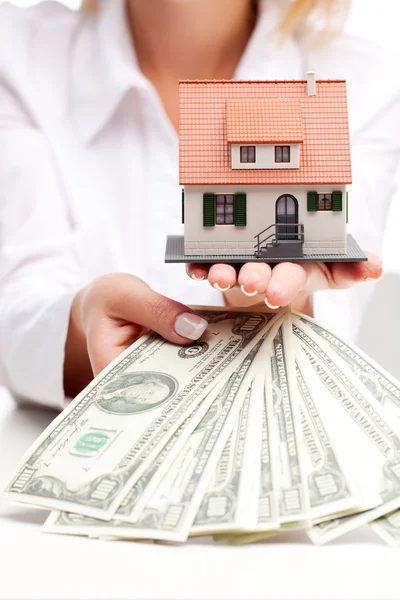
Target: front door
x,y
287,214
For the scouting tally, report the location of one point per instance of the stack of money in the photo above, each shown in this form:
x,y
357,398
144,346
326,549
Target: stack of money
x,y
270,423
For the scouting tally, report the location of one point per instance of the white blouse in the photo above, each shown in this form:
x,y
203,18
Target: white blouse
x,y
89,176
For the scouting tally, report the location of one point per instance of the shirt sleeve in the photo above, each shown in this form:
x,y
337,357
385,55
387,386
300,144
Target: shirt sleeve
x,y
39,274
375,162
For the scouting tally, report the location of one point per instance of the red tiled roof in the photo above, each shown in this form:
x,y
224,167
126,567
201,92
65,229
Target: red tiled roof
x,y
264,121
204,151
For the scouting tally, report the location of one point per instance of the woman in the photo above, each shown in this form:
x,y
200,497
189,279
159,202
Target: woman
x,y
89,183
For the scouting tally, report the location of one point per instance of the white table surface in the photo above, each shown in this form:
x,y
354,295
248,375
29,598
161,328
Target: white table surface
x,y
37,565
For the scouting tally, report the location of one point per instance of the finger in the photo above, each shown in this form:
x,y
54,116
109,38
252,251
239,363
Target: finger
x,y
136,302
253,278
222,277
197,272
106,339
286,281
346,274
342,275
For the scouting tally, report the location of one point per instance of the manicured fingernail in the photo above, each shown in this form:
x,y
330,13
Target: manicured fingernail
x,y
250,294
190,326
198,278
271,306
376,279
220,289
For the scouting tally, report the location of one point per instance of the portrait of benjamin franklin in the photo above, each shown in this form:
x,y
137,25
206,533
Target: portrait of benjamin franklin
x,y
136,392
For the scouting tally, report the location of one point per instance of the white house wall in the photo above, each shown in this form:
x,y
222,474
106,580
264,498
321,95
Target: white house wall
x,y
324,231
265,157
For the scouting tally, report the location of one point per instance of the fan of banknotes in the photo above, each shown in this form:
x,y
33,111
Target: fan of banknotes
x,y
270,423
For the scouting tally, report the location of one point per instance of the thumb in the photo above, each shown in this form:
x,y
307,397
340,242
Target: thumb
x,y
136,302
128,307
131,307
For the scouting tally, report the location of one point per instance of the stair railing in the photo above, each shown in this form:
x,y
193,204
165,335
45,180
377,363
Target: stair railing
x,y
275,236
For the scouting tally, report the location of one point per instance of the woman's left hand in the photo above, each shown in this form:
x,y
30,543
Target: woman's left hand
x,y
284,283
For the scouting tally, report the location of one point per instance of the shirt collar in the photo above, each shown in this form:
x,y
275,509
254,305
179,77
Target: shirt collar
x,y
105,66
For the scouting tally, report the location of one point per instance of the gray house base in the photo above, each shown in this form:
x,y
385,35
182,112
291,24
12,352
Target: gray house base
x,y
175,253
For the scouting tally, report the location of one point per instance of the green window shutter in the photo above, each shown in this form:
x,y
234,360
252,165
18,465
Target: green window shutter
x,y
312,201
240,210
337,201
183,205
208,210
347,207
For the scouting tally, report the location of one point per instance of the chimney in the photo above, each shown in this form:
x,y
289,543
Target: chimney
x,y
311,87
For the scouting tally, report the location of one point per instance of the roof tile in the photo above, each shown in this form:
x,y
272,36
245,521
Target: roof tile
x,y
213,114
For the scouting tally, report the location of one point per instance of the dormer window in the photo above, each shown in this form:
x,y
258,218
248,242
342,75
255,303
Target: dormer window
x,y
282,154
247,154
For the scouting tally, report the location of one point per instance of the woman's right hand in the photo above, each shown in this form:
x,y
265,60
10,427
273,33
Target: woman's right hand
x,y
109,314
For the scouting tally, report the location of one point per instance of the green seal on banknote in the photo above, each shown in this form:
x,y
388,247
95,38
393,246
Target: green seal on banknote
x,y
91,442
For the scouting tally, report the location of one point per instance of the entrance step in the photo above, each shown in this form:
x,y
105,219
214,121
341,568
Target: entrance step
x,y
282,249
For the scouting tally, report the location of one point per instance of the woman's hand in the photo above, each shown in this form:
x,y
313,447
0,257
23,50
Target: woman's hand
x,y
285,283
109,314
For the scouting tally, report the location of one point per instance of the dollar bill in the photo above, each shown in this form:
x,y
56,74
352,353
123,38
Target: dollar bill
x,y
266,523
267,517
220,506
231,501
135,501
138,498
171,510
286,429
330,483
377,447
90,456
382,385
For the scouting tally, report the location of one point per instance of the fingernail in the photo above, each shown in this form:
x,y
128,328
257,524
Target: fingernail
x,y
220,289
190,326
271,306
250,294
198,278
376,279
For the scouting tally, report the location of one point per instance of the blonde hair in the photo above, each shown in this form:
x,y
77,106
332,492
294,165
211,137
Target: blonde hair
x,y
312,21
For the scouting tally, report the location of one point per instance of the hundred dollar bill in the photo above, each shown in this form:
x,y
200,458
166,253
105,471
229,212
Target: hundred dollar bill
x,y
378,446
227,403
92,454
171,510
329,480
230,502
381,384
220,505
267,522
137,497
267,516
286,429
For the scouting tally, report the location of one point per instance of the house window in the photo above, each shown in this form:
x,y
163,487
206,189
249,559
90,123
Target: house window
x,y
224,209
324,201
282,154
247,154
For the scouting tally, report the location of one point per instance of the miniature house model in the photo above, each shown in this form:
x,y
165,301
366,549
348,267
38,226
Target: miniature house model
x,y
264,167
